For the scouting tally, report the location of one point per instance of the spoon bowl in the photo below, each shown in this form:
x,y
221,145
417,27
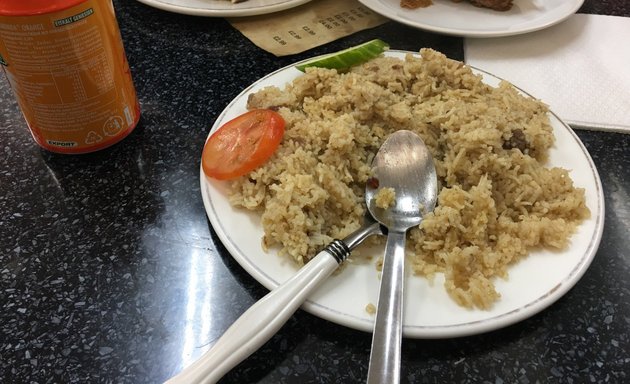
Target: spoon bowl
x,y
404,164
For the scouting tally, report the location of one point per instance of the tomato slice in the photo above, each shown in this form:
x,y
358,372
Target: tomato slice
x,y
242,144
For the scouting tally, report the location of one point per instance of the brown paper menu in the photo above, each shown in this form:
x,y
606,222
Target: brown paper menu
x,y
312,24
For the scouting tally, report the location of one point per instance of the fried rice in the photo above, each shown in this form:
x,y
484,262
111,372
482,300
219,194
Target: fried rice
x,y
497,200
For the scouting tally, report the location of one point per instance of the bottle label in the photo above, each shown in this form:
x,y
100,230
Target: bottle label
x,y
70,76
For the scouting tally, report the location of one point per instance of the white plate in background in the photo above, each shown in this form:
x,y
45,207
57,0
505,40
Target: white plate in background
x,y
223,8
464,19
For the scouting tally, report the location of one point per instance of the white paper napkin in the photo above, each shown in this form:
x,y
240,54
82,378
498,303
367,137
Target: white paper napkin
x,y
580,68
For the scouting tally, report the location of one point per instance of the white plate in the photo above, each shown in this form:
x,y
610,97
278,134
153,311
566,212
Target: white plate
x,y
464,19
223,8
534,283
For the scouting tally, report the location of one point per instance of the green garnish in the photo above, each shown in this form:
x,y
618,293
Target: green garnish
x,y
348,57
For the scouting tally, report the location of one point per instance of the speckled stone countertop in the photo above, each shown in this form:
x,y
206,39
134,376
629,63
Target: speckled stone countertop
x,y
97,251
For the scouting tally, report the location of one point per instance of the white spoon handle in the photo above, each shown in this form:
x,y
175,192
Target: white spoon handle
x,y
384,365
258,324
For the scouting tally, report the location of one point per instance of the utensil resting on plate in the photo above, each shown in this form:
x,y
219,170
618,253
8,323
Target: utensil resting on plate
x,y
262,320
404,164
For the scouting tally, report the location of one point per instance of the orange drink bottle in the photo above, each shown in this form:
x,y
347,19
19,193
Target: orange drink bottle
x,y
66,64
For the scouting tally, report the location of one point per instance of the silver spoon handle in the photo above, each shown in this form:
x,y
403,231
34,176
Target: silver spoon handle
x,y
384,365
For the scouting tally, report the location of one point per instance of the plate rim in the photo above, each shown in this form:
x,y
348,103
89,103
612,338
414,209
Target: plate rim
x,y
375,6
210,12
485,325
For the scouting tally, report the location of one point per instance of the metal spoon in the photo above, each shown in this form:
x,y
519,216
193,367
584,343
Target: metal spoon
x,y
262,320
405,164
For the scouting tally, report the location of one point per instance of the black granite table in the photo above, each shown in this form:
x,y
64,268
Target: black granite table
x,y
97,252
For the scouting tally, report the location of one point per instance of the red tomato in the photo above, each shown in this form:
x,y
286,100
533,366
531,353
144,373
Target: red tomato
x,y
242,144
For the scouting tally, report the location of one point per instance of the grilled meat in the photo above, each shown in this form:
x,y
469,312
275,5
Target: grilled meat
x,y
497,5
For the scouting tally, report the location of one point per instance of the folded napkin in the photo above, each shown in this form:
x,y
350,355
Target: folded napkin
x,y
580,68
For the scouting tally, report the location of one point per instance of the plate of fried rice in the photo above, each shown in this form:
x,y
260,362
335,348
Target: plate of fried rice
x,y
520,211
